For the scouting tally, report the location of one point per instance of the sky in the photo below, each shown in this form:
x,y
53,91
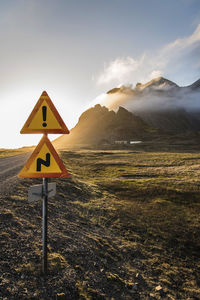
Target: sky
x,y
77,50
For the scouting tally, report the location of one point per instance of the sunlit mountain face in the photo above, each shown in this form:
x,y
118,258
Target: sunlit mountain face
x,y
99,125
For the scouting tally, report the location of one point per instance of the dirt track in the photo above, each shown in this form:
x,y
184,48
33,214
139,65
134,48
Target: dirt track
x,y
9,168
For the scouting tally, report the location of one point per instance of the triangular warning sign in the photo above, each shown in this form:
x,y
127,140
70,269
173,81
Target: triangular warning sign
x,y
44,162
44,118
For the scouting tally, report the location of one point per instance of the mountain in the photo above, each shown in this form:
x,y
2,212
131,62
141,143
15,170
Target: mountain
x,y
155,85
98,125
157,108
195,85
160,103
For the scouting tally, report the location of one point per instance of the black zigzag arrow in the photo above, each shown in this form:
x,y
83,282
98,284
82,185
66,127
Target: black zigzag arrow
x,y
41,161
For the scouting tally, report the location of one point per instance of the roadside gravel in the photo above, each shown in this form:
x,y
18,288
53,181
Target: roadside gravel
x,y
9,168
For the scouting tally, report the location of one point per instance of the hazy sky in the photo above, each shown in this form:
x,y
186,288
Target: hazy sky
x,y
77,50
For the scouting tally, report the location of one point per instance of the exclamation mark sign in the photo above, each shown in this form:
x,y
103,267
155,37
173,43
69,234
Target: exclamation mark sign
x,y
44,115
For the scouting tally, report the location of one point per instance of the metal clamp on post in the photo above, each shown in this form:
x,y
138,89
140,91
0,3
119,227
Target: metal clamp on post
x,y
45,193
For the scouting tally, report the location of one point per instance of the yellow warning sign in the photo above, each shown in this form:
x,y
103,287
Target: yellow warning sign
x,y
44,118
44,162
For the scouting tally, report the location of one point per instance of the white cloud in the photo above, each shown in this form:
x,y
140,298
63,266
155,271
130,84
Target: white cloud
x,y
182,43
119,69
180,49
180,57
155,74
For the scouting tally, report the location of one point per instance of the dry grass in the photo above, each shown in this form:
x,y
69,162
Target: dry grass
x,y
12,152
125,223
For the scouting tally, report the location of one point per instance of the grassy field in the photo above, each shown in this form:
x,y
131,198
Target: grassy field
x,y
12,152
126,225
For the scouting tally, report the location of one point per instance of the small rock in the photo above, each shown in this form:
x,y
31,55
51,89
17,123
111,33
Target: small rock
x,y
84,283
60,296
129,285
22,276
102,270
159,288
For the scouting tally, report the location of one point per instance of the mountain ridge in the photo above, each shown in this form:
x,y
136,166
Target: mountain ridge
x,y
161,103
99,125
158,107
153,83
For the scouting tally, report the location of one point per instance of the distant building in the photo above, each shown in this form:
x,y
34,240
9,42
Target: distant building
x,y
121,142
127,142
135,142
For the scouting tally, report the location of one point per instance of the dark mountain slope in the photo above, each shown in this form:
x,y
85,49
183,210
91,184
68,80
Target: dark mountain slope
x,y
99,125
172,121
195,85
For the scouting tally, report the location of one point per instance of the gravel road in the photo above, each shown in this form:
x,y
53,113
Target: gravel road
x,y
9,168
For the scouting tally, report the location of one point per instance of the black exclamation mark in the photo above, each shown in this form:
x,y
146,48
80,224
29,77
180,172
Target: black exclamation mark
x,y
44,115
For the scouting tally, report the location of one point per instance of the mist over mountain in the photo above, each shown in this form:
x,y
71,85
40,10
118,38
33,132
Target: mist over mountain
x,y
155,109
158,94
161,103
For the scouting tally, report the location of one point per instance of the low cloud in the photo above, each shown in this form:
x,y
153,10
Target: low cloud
x,y
181,100
179,58
151,100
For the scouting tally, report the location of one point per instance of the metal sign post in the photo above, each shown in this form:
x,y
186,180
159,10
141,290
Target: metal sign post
x,y
44,161
44,225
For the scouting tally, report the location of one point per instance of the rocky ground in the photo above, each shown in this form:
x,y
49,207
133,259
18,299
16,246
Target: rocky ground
x,y
125,225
